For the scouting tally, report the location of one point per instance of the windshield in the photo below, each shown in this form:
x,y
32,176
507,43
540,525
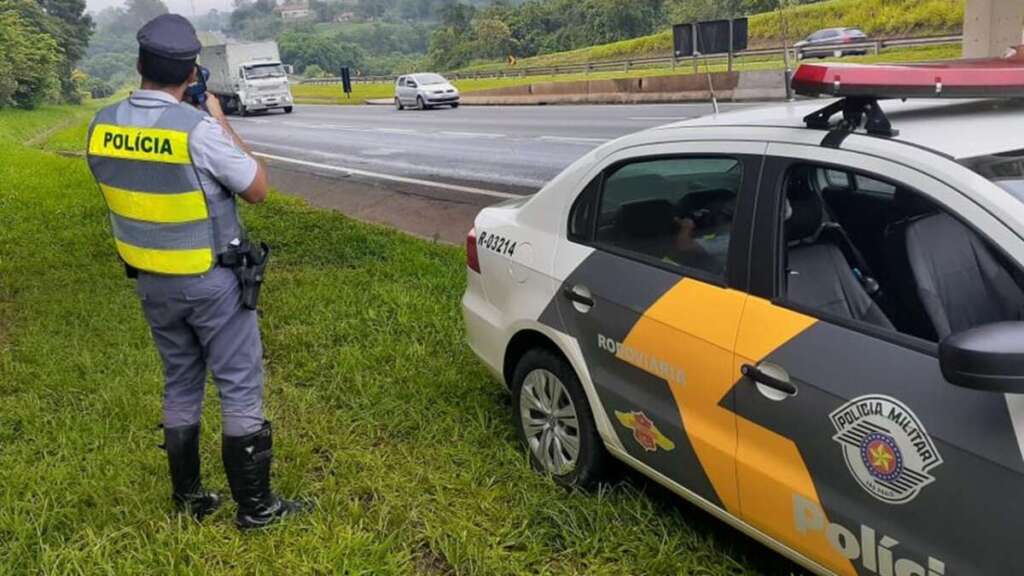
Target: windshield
x,y
1006,170
430,79
264,71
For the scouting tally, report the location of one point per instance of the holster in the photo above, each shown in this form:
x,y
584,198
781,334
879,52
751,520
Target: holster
x,y
249,263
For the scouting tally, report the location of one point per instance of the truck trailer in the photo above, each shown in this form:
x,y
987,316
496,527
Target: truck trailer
x,y
247,78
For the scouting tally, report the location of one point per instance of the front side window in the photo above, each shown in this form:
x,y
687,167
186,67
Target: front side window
x,y
676,212
863,249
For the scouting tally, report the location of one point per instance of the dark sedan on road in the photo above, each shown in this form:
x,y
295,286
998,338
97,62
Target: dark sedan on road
x,y
828,42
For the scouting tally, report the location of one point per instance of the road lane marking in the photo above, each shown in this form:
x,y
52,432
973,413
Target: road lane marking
x,y
658,118
391,178
473,134
573,139
395,130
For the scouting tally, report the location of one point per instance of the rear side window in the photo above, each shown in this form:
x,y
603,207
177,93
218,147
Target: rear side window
x,y
674,212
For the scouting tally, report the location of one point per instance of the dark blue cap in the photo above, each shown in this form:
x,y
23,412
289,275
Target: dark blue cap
x,y
169,36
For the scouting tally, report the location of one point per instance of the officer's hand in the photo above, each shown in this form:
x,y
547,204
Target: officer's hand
x,y
213,107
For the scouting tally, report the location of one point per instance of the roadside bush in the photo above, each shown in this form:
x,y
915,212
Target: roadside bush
x,y
314,71
98,88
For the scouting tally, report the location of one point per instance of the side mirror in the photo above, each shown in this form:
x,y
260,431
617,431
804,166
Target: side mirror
x,y
989,358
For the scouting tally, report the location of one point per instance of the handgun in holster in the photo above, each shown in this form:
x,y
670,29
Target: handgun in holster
x,y
249,262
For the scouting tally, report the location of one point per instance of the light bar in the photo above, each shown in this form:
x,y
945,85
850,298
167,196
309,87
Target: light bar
x,y
983,78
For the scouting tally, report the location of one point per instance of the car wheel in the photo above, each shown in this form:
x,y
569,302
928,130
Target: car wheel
x,y
554,420
398,104
420,104
242,111
287,109
455,105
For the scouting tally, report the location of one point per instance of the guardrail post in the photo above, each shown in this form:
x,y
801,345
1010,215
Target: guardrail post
x,y
878,47
626,66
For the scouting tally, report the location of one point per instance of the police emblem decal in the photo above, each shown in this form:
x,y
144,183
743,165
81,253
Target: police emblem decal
x,y
645,432
886,448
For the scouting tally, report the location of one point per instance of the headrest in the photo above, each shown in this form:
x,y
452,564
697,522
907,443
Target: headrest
x,y
911,204
646,218
808,211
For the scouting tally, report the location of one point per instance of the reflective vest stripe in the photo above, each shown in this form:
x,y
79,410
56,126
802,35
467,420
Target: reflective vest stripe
x,y
135,143
163,208
159,236
172,262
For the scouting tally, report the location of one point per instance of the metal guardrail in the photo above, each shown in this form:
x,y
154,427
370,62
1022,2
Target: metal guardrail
x,y
872,46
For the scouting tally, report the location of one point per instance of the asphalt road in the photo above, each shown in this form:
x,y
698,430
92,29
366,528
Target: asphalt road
x,y
498,148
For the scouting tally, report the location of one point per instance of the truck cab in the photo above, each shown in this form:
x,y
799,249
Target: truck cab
x,y
263,85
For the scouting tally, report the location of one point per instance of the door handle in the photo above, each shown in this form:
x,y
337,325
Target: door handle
x,y
763,378
579,295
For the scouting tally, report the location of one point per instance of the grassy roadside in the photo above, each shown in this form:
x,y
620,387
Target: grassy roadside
x,y
382,412
879,18
331,94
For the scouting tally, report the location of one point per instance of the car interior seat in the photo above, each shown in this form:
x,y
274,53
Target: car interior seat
x,y
958,281
819,275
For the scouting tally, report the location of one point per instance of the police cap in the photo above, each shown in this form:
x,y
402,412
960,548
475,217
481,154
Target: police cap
x,y
170,36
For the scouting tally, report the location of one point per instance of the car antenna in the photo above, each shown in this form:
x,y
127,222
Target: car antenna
x,y
711,84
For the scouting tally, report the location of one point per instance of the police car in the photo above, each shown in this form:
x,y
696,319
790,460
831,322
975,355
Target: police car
x,y
808,319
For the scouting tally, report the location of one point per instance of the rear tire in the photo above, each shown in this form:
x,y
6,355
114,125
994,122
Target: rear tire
x,y
398,105
554,421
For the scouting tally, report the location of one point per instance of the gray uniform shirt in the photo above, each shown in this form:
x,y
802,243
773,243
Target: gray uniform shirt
x,y
222,166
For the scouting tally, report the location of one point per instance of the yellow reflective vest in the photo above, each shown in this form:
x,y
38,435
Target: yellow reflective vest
x,y
162,221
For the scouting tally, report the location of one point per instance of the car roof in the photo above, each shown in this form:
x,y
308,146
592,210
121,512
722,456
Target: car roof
x,y
957,128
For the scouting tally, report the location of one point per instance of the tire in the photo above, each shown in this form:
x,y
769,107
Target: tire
x,y
242,111
287,109
455,105
420,104
539,375
398,104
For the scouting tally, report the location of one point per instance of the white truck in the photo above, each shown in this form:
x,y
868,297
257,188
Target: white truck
x,y
248,77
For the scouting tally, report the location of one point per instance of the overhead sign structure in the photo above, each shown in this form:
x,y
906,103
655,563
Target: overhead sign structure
x,y
711,37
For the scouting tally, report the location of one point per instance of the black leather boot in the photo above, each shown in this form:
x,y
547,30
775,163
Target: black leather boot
x,y
182,445
247,463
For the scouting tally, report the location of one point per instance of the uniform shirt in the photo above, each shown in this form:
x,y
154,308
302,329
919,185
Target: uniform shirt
x,y
222,166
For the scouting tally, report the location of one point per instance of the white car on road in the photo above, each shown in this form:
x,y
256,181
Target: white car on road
x,y
811,328
424,91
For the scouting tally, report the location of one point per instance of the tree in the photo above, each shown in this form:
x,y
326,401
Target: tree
x,y
31,64
72,29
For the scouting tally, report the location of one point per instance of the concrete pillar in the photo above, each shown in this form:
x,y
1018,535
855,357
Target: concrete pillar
x,y
991,27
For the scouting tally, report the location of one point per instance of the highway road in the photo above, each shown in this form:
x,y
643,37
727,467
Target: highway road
x,y
430,172
517,147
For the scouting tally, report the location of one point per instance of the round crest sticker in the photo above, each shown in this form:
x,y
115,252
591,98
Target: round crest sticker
x,y
886,448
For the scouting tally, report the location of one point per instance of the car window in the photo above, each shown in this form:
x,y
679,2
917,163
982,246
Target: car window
x,y
676,212
880,254
401,81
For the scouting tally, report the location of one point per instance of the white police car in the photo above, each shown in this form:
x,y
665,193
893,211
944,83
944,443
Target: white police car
x,y
807,319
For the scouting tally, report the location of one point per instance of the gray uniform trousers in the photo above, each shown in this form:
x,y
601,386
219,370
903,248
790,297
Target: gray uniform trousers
x,y
199,324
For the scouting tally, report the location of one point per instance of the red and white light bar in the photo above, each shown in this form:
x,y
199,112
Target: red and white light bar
x,y
984,78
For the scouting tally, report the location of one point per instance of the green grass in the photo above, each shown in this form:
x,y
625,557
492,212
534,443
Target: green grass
x,y
331,94
879,18
382,412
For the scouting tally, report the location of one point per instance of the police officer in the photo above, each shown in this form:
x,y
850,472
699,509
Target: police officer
x,y
170,174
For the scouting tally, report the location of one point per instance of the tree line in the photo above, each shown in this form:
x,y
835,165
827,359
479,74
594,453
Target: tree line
x,y
40,43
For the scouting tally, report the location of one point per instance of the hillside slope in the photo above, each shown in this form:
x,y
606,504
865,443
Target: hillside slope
x,y
876,17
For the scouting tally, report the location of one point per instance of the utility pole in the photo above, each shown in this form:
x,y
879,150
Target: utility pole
x,y
784,29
